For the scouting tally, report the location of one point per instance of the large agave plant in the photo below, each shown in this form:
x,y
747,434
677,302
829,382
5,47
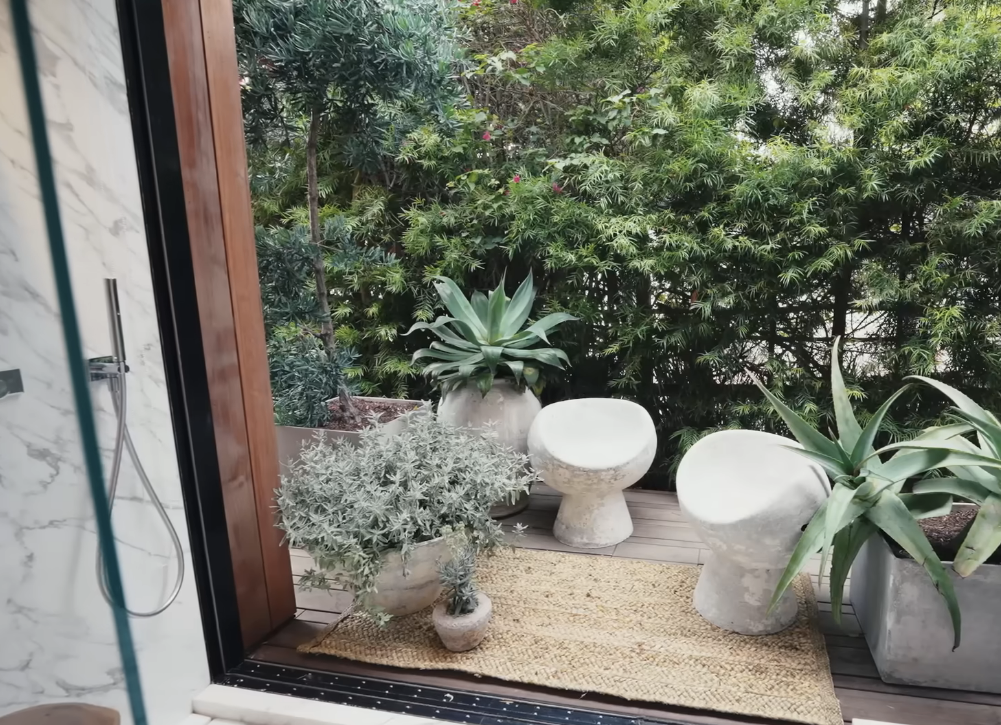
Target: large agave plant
x,y
484,338
976,474
868,494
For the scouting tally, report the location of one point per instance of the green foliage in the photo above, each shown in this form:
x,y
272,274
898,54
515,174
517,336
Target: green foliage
x,y
486,333
978,474
304,376
357,63
458,574
348,506
710,188
867,494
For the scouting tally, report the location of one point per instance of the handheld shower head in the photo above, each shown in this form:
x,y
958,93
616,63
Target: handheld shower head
x,y
115,320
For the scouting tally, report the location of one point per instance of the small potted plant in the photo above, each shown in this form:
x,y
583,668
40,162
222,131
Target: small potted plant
x,y
488,360
375,516
462,617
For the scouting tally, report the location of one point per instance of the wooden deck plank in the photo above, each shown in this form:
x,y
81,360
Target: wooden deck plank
x,y
660,535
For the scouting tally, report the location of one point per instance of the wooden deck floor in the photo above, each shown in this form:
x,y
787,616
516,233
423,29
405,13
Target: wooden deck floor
x,y
660,534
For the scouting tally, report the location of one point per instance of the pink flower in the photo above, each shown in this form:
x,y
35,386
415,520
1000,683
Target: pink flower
x,y
514,2
486,136
517,178
557,188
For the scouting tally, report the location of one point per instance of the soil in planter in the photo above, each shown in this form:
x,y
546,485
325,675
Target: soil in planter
x,y
386,410
946,534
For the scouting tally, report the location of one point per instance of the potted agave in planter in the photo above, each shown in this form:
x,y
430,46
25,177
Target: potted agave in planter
x,y
911,607
376,517
486,363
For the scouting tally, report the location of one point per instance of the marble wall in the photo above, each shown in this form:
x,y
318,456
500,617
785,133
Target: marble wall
x,y
56,636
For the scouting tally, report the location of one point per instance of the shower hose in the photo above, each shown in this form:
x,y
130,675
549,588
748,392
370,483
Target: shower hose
x,y
123,440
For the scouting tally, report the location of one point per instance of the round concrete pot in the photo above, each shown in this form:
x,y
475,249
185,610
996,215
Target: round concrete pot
x,y
511,411
466,631
400,593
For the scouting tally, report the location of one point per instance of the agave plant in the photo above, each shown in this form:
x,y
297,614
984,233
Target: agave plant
x,y
867,493
484,338
976,470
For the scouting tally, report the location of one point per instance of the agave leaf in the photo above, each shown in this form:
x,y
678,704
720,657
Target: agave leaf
x,y
944,432
983,538
438,355
989,433
492,356
520,341
547,323
811,439
545,355
892,517
847,544
837,505
834,467
927,505
479,302
520,307
863,446
964,402
531,374
460,307
848,428
961,487
926,456
439,322
808,544
497,304
484,382
517,368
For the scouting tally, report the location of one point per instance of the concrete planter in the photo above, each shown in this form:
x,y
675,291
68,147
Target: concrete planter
x,y
908,629
466,631
405,590
292,439
509,410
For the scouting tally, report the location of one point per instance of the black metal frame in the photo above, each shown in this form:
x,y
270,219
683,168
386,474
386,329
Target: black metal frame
x,y
155,135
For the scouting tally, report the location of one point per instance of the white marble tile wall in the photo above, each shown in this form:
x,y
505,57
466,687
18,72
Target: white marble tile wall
x,y
57,642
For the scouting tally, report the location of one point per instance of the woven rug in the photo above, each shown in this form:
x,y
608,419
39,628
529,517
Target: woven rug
x,y
617,627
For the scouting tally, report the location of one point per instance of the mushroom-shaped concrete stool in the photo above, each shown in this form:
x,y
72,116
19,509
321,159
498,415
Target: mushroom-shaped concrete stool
x,y
748,496
589,450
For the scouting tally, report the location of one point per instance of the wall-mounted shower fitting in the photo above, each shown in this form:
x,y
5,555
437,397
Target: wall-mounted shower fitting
x,y
113,369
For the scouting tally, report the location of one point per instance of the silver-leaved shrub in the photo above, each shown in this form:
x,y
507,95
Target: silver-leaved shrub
x,y
347,506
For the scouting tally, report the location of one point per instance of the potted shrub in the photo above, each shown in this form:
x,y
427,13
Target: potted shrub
x,y
900,611
375,516
487,361
908,603
312,396
462,617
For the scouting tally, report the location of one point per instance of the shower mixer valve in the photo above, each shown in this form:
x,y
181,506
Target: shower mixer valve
x,y
106,368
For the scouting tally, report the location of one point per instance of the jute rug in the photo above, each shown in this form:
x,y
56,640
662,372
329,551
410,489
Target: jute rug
x,y
617,627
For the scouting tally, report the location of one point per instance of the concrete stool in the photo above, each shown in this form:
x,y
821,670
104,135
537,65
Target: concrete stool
x,y
748,496
589,450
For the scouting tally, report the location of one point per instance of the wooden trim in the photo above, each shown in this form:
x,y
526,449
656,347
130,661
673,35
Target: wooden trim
x,y
219,249
248,315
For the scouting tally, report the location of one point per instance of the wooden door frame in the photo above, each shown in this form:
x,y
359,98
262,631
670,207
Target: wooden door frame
x,y
184,97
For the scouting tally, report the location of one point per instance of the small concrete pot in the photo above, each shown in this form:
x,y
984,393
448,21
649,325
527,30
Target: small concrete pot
x,y
464,632
511,411
400,593
907,626
292,439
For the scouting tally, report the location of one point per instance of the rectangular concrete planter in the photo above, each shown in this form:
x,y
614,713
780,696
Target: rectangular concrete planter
x,y
908,629
292,439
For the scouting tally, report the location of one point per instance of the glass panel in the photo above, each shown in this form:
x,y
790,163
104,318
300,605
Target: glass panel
x,y
109,573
